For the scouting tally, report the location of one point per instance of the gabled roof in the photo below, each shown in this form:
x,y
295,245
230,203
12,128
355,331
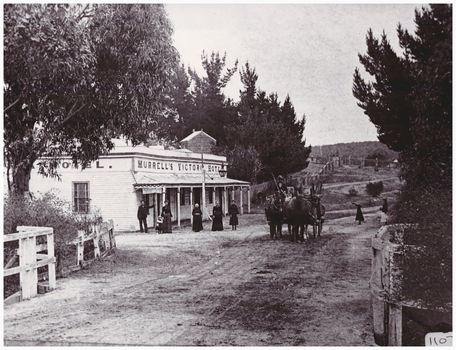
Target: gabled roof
x,y
196,133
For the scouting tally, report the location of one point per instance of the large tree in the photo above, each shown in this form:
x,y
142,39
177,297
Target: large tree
x,y
211,108
77,75
410,102
270,127
259,135
410,97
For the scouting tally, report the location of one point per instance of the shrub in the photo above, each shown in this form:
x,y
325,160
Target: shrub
x,y
352,192
47,210
426,248
374,188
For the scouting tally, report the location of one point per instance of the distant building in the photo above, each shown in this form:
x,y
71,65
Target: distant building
x,y
199,142
117,182
317,159
393,164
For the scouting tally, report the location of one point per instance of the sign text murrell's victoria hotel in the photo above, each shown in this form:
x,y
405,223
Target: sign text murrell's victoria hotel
x,y
176,166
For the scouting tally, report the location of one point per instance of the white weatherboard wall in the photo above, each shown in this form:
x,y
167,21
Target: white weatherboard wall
x,y
110,188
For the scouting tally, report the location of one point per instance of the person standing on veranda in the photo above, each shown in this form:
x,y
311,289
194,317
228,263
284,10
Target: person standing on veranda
x,y
166,213
143,211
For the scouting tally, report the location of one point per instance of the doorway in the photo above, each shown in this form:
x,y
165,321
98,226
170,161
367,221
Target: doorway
x,y
197,195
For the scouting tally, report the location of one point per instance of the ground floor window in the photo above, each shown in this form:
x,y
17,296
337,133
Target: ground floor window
x,y
81,198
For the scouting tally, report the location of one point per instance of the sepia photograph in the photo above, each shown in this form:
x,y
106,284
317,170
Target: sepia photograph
x,y
227,174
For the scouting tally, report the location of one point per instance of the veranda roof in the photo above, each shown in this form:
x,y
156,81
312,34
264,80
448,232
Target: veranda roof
x,y
185,180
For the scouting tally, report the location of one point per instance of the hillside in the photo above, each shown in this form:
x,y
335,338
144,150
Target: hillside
x,y
348,184
354,149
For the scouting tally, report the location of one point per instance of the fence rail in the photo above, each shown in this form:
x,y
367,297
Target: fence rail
x,y
89,247
30,259
299,180
103,240
318,176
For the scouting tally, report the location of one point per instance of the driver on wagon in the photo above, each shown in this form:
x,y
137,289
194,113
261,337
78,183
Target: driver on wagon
x,y
281,189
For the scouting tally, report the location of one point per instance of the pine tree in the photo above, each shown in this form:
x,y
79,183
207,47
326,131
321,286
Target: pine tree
x,y
410,102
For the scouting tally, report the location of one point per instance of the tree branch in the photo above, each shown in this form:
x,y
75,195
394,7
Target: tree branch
x,y
70,114
11,105
83,13
42,143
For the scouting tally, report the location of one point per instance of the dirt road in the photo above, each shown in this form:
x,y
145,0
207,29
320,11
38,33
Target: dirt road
x,y
236,288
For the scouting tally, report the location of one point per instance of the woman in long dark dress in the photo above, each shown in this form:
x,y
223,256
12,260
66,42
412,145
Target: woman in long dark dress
x,y
197,218
384,210
217,223
166,213
359,214
234,221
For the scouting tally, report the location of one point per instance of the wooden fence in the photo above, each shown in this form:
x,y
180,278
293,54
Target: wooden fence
x,y
94,245
397,322
386,313
31,257
89,247
296,181
316,177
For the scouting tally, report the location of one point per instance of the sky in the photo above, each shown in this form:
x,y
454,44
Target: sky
x,y
306,51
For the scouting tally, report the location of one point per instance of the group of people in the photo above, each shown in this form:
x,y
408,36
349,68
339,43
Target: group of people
x,y
164,220
216,217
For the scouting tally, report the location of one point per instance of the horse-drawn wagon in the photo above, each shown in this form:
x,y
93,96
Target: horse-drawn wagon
x,y
297,211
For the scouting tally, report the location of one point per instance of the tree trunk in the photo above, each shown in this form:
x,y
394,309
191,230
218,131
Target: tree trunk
x,y
21,178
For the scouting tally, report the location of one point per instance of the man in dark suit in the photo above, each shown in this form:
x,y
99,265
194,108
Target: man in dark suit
x,y
143,211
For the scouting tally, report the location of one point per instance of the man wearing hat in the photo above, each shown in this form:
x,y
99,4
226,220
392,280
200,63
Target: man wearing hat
x,y
281,189
143,211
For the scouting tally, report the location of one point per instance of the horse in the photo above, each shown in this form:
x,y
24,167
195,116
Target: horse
x,y
299,213
318,209
274,215
320,216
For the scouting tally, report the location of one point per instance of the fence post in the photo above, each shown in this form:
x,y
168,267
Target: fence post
x,y
80,247
112,240
96,238
51,266
395,325
27,257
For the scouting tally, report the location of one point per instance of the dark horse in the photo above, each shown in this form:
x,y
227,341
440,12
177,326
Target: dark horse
x,y
299,213
318,209
319,214
274,215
